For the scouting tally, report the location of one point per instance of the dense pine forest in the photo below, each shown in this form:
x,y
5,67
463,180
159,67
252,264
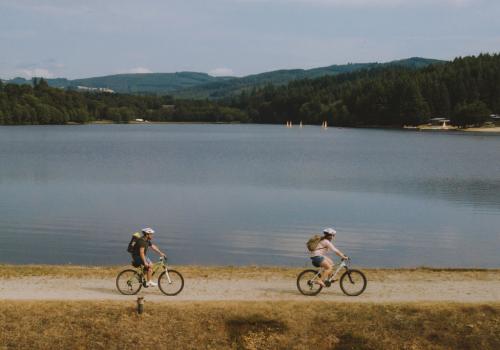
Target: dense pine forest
x,y
466,90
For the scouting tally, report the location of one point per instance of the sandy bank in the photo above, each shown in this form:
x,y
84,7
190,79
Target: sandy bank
x,y
495,129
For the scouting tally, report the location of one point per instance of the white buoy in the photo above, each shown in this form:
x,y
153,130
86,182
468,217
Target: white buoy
x,y
300,123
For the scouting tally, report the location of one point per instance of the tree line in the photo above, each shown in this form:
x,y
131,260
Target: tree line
x,y
40,104
466,90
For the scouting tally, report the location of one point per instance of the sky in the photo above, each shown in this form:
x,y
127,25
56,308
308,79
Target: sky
x,y
79,39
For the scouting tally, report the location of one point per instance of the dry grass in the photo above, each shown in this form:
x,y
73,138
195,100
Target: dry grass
x,y
249,272
247,325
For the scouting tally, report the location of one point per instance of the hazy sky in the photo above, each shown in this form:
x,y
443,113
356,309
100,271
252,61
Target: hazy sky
x,y
66,38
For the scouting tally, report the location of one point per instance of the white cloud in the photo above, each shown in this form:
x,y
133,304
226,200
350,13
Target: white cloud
x,y
35,72
137,70
221,72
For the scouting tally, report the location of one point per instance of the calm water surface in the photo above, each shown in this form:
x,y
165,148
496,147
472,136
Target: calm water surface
x,y
248,194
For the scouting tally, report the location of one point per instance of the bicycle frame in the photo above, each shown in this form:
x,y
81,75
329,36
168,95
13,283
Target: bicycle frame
x,y
343,264
157,267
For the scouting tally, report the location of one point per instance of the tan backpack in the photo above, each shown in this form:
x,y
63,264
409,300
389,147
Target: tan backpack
x,y
313,242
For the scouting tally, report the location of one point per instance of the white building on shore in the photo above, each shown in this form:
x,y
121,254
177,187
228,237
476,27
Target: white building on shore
x,y
93,89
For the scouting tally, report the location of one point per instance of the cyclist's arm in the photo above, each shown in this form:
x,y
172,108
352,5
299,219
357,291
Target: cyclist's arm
x,y
336,251
156,249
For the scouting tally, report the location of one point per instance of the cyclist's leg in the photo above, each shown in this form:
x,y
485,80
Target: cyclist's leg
x,y
149,270
317,262
327,266
332,264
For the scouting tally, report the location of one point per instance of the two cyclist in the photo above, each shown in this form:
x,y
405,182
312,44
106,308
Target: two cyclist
x,y
319,257
139,251
318,254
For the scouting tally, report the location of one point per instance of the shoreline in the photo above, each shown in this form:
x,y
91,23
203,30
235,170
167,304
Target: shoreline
x,y
416,128
9,270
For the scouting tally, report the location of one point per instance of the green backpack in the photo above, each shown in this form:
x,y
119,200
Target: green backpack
x,y
313,242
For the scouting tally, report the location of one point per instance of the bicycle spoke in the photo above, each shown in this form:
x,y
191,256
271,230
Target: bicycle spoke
x,y
307,282
353,282
171,283
129,282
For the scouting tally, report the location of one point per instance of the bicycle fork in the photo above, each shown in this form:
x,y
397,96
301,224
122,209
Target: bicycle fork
x,y
168,275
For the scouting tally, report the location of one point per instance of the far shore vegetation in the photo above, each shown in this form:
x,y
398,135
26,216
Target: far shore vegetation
x,y
466,91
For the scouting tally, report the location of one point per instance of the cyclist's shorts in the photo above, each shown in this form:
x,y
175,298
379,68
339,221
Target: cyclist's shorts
x,y
137,261
317,260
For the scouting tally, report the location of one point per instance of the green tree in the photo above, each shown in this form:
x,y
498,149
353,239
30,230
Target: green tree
x,y
474,113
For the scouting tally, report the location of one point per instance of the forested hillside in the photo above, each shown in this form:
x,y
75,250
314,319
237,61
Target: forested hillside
x,y
466,90
231,87
138,83
201,85
41,104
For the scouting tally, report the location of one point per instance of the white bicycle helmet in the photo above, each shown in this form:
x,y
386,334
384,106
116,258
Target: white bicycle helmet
x,y
148,230
329,231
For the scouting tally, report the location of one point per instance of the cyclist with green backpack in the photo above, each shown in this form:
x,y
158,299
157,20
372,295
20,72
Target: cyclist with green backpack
x,y
138,247
319,246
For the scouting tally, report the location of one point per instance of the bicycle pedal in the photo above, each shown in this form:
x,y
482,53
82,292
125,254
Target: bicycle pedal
x,y
327,283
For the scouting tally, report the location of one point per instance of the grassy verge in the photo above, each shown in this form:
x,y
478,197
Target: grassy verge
x,y
251,272
263,325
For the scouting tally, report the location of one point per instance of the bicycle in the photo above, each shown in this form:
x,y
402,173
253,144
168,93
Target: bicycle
x,y
352,282
170,282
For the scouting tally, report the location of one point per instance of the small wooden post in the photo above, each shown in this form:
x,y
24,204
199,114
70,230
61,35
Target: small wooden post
x,y
140,305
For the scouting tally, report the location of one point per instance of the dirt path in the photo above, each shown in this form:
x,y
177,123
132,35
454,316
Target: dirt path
x,y
388,287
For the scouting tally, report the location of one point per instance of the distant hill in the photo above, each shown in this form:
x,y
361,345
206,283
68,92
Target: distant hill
x,y
221,89
154,83
202,85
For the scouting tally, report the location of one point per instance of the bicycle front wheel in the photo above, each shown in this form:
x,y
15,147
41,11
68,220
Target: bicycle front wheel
x,y
129,282
171,284
353,282
307,283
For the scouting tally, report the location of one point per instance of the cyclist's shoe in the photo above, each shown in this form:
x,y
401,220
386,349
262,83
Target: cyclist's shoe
x,y
328,283
152,284
145,284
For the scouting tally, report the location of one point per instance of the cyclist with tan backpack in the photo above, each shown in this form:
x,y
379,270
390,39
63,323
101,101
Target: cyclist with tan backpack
x,y
319,246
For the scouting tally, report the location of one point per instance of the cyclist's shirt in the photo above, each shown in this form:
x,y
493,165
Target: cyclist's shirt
x,y
324,246
141,243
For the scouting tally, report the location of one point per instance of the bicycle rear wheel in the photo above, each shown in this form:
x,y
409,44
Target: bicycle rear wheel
x,y
353,282
306,282
129,282
172,287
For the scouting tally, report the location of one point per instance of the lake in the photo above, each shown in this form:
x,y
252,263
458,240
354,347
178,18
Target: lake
x,y
248,194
